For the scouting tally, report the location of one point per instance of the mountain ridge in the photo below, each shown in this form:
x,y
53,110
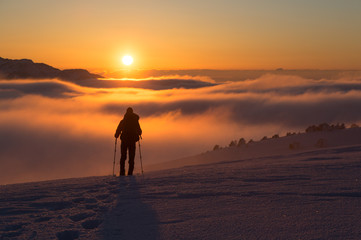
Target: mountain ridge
x,y
26,68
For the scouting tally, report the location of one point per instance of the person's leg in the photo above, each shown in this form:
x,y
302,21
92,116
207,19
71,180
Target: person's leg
x,y
131,158
123,157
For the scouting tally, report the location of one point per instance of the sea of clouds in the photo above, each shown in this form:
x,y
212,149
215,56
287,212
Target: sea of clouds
x,y
55,129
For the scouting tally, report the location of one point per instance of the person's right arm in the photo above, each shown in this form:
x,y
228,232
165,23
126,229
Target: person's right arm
x,y
119,129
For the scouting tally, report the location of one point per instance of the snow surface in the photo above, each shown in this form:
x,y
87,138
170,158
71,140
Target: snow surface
x,y
269,192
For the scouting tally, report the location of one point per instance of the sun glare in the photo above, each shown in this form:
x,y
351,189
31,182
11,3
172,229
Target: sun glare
x,y
127,60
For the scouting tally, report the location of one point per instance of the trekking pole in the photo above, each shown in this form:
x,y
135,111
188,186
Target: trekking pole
x,y
115,151
140,157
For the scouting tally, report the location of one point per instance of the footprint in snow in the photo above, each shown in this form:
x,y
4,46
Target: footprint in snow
x,y
14,227
42,219
81,216
68,235
90,200
91,206
113,183
11,234
51,205
114,191
102,196
92,191
91,224
78,200
33,235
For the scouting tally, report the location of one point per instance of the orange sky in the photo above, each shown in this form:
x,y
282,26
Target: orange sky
x,y
183,34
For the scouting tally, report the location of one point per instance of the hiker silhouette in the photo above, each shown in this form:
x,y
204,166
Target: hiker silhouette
x,y
129,131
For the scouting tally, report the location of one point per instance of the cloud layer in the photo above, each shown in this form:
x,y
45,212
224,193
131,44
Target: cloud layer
x,y
54,129
292,101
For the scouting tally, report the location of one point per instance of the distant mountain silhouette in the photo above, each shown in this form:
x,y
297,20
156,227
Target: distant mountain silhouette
x,y
26,68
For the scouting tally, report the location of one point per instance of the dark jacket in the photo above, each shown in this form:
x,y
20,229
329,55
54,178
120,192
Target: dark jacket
x,y
129,128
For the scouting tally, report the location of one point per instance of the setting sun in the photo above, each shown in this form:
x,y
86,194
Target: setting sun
x,y
127,60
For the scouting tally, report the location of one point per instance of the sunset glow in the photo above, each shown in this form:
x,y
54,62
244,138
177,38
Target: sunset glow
x,y
184,35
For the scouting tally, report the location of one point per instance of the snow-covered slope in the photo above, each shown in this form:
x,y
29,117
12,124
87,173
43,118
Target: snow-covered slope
x,y
301,142
312,193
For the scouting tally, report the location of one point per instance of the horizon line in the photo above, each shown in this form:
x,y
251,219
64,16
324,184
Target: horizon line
x,y
193,69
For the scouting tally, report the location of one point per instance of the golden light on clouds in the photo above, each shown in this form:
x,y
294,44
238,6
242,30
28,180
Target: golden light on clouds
x,y
72,126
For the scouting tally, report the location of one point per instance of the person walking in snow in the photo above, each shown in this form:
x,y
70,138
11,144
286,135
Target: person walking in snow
x,y
129,131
